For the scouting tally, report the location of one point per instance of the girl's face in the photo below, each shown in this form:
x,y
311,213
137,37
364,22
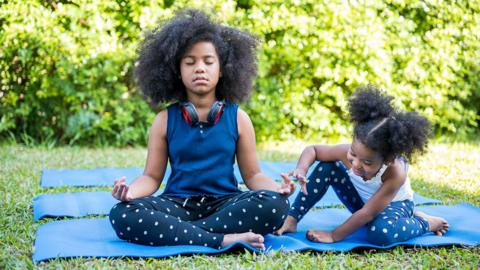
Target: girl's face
x,y
365,162
200,69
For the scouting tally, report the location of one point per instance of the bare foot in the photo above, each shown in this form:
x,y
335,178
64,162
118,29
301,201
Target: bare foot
x,y
290,225
253,239
320,236
437,225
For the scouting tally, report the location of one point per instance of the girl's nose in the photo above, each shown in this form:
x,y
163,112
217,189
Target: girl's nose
x,y
199,68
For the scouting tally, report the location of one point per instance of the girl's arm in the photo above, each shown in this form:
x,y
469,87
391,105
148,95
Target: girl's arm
x,y
323,153
248,162
155,166
394,178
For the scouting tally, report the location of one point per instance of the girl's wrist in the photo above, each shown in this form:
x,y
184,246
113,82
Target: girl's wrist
x,y
301,170
335,236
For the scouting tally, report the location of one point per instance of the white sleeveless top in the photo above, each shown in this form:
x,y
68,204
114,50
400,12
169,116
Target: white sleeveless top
x,y
366,188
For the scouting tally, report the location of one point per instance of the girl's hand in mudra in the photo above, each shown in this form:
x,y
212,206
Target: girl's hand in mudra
x,y
120,190
287,187
302,180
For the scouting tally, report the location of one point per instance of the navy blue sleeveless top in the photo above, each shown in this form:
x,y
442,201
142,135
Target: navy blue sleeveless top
x,y
202,156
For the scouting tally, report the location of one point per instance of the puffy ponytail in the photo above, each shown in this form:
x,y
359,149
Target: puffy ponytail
x,y
369,104
385,130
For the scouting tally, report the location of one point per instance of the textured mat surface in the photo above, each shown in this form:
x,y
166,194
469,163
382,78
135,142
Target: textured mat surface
x,y
96,238
80,204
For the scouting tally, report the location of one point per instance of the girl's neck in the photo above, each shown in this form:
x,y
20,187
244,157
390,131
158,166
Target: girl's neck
x,y
202,102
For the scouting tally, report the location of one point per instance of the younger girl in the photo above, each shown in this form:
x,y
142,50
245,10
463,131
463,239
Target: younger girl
x,y
369,175
203,68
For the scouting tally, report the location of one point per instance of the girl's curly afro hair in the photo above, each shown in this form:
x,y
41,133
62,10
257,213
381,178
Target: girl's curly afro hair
x,y
158,65
385,130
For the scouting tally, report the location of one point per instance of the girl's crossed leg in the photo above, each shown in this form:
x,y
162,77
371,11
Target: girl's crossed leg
x,y
207,221
396,222
324,175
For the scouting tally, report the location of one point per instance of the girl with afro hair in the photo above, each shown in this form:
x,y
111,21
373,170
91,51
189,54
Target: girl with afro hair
x,y
369,175
202,69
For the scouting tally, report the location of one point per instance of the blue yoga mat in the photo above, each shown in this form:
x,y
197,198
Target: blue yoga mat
x,y
96,238
80,204
106,176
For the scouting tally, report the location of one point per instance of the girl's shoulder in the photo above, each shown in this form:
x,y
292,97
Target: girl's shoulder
x,y
161,118
174,105
396,170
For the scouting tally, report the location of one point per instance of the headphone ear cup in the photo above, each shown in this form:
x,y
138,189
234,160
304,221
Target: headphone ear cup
x,y
189,113
215,112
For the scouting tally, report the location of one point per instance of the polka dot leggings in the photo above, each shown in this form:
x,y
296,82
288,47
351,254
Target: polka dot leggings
x,y
166,220
394,224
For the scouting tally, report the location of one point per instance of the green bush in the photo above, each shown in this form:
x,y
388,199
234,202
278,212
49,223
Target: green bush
x,y
66,66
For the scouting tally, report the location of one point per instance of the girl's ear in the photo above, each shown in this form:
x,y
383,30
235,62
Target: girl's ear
x,y
389,160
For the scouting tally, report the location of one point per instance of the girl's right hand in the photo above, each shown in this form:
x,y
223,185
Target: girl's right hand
x,y
302,180
120,190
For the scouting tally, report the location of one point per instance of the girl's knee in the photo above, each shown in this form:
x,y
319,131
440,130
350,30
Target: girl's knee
x,y
120,219
115,218
118,210
381,232
380,238
273,205
328,168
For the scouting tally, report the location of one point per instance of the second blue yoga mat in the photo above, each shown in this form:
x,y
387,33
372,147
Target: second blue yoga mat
x,y
80,204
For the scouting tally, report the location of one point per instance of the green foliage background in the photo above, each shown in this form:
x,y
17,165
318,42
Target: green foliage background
x,y
66,66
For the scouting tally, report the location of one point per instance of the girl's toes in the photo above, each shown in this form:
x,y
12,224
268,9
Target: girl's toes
x,y
259,246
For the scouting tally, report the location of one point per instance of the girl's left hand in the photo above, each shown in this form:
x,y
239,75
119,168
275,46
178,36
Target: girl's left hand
x,y
287,187
320,236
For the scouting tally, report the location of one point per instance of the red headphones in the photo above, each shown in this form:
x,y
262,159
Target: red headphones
x,y
189,113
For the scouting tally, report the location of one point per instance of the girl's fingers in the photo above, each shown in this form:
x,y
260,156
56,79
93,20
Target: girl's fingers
x,y
120,180
304,189
118,195
124,193
117,185
286,179
291,188
303,183
312,237
118,191
259,246
115,189
295,174
286,188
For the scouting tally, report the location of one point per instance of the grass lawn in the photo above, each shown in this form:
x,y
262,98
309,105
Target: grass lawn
x,y
449,172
